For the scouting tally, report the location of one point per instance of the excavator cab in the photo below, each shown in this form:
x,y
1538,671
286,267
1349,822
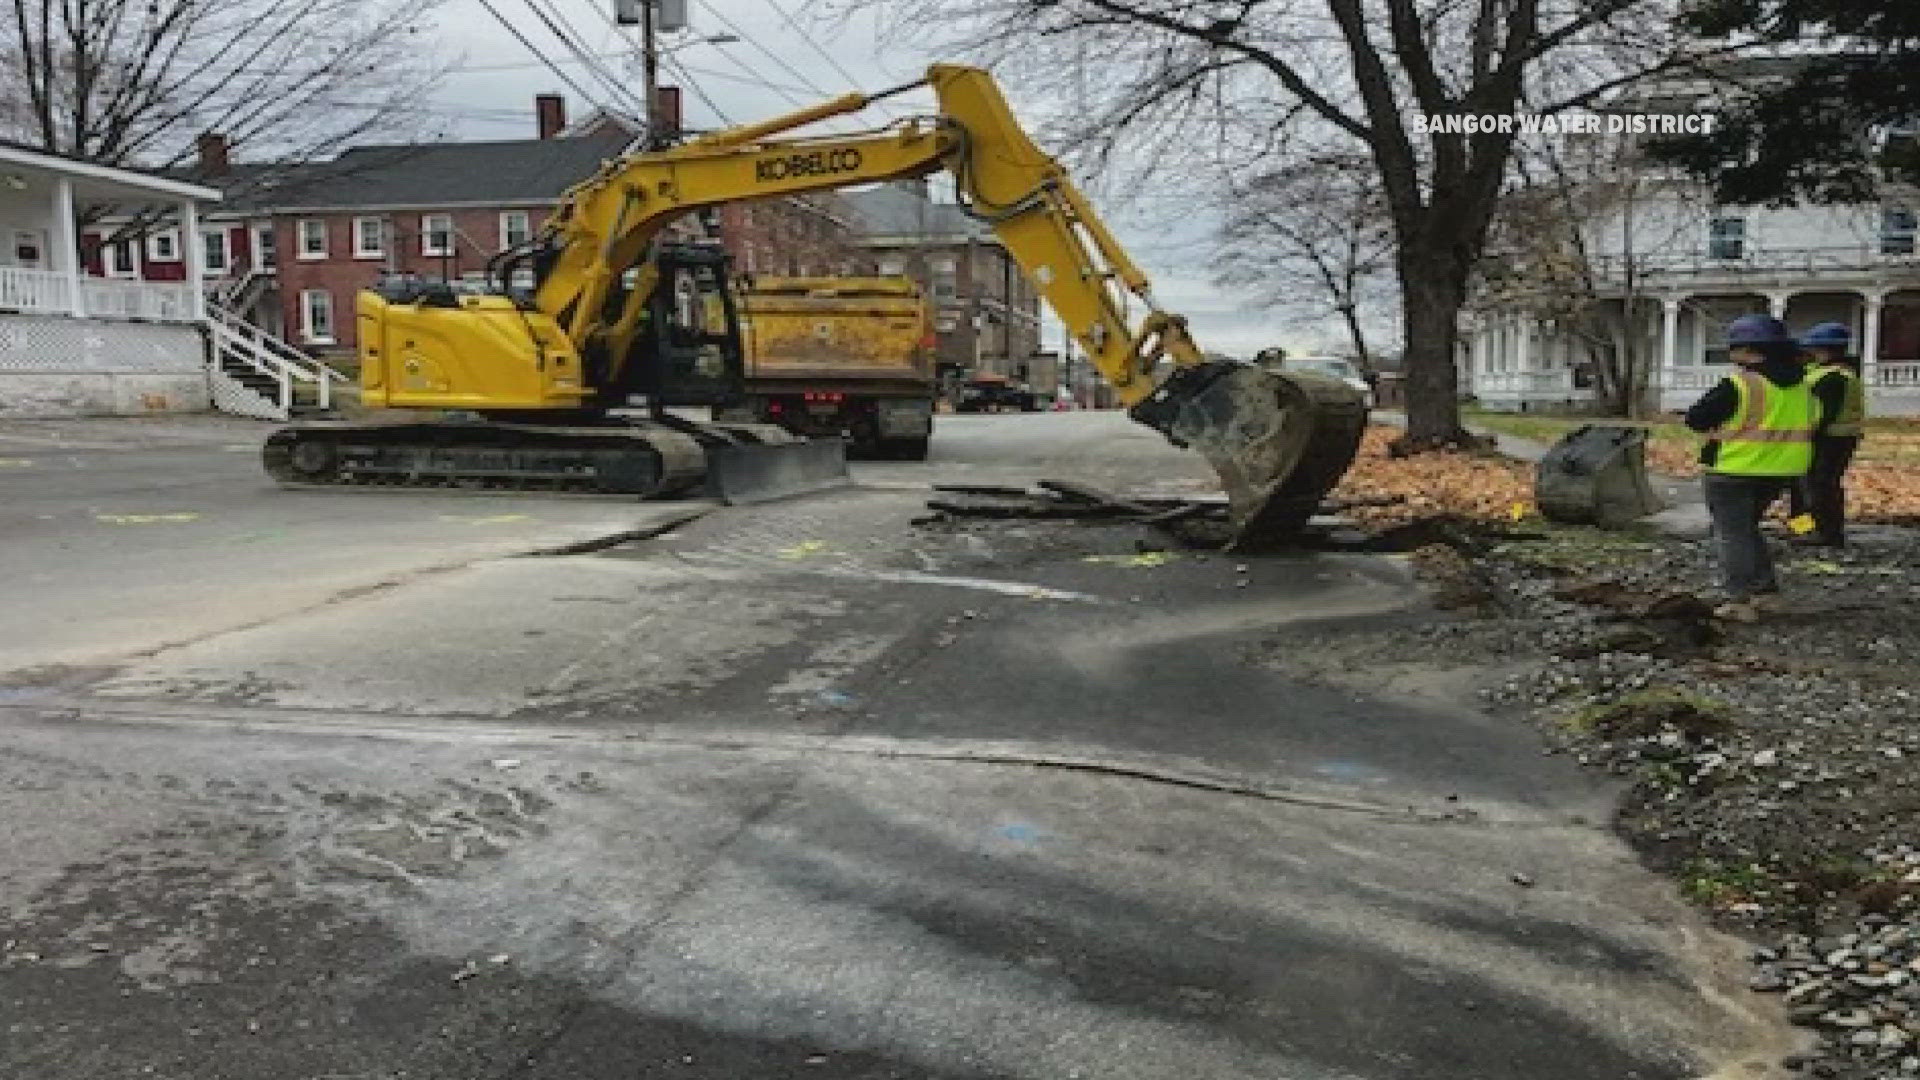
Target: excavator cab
x,y
689,351
686,348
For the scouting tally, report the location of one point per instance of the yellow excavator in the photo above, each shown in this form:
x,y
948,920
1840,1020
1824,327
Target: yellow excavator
x,y
546,377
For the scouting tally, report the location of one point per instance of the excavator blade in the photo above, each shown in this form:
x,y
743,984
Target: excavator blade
x,y
1280,442
757,472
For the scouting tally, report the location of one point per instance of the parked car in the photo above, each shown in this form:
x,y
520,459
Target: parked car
x,y
992,393
1338,367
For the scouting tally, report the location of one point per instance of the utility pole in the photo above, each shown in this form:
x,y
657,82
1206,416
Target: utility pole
x,y
650,73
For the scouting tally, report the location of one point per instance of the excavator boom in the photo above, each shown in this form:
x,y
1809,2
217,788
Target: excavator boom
x,y
1278,442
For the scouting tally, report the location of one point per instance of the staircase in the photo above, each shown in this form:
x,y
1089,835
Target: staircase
x,y
256,374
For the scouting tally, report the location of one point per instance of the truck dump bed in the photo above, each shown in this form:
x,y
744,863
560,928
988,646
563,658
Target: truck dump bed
x,y
832,330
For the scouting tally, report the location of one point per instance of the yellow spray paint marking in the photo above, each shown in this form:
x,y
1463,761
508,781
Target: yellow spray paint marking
x,y
144,519
801,551
1145,558
492,519
1800,524
1519,512
15,463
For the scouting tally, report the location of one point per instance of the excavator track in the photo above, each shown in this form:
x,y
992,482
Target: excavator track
x,y
637,457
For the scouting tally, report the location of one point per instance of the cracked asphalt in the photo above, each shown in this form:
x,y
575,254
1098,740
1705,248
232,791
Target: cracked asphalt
x,y
341,785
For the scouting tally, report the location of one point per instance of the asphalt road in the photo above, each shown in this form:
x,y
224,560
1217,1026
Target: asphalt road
x,y
790,790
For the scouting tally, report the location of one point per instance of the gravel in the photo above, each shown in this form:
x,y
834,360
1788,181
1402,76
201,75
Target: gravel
x,y
1774,768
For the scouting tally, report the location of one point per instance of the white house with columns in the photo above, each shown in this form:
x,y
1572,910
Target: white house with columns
x,y
74,342
1689,268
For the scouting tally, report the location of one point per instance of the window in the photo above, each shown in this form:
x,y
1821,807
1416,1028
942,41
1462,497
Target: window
x,y
316,316
213,252
369,238
946,287
436,234
120,259
892,266
164,246
1896,231
313,238
514,229
1727,238
263,245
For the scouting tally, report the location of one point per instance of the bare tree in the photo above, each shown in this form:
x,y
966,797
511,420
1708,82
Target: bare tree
x,y
134,82
1313,239
1245,80
1573,246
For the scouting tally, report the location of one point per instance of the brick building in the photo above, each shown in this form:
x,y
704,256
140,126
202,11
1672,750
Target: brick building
x,y
987,315
802,236
290,245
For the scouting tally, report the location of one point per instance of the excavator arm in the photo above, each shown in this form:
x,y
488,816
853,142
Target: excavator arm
x,y
605,224
1278,442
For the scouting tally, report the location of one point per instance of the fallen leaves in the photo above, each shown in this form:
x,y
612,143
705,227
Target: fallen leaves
x,y
1474,485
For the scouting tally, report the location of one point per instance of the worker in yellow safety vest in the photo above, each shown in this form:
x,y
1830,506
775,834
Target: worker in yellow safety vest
x,y
1834,379
1759,424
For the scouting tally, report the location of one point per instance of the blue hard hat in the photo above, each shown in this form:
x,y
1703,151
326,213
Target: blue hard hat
x,y
1758,330
1833,334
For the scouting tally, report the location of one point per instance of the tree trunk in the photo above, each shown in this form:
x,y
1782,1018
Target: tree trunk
x,y
1432,290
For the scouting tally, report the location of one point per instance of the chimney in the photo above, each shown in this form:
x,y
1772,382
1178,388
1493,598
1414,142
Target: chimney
x,y
666,102
213,154
551,111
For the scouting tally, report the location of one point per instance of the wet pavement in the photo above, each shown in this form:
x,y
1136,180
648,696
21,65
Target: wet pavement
x,y
801,790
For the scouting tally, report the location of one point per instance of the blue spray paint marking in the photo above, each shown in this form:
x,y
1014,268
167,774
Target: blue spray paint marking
x,y
1020,832
1350,770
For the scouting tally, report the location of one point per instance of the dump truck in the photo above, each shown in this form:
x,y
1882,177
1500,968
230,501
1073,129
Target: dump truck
x,y
848,356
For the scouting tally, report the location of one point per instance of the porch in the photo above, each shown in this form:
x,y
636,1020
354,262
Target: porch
x,y
1513,362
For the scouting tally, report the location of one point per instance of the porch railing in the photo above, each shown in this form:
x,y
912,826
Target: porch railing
x,y
46,292
34,290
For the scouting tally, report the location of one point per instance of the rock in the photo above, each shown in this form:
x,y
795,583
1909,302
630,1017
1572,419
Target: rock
x,y
1766,759
1847,1018
1864,1038
1521,880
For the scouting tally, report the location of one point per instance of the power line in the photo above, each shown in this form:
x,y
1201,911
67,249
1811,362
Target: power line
x,y
551,66
555,21
770,54
686,77
808,38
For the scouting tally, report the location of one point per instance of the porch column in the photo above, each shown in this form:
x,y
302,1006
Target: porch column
x,y
1777,305
1525,359
1669,338
1870,338
66,244
196,257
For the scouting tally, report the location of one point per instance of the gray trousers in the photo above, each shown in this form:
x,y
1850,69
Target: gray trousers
x,y
1736,504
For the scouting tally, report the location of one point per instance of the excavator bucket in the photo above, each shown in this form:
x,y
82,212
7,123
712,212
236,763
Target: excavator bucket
x,y
1280,442
750,472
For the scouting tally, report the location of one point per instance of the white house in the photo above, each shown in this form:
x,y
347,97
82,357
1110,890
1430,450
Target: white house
x,y
1689,268
72,343
80,334
1675,269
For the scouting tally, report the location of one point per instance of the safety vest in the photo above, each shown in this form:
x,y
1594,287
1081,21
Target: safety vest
x,y
1853,402
1771,430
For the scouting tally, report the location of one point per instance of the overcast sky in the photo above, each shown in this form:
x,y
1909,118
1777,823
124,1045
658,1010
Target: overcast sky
x,y
773,68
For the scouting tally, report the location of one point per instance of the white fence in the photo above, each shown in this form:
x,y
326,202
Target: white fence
x,y
44,292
